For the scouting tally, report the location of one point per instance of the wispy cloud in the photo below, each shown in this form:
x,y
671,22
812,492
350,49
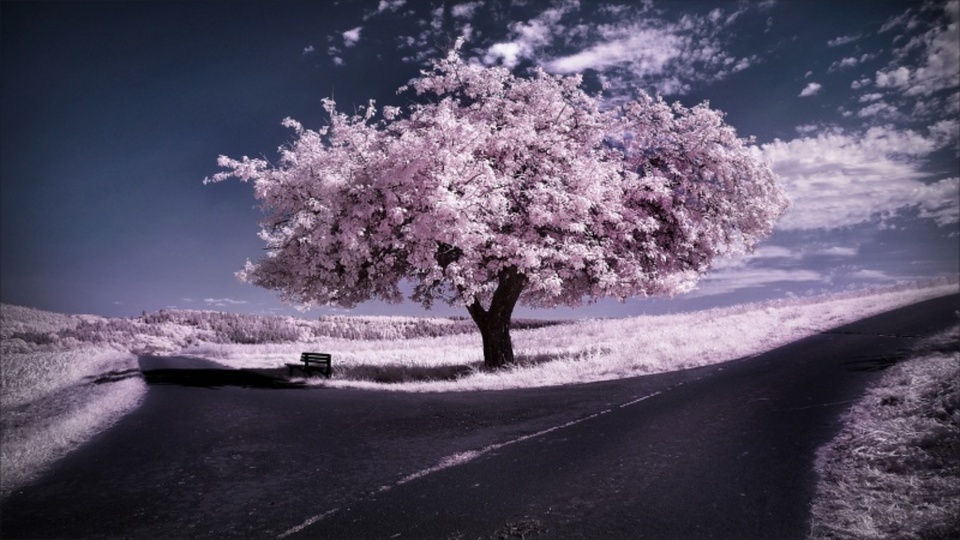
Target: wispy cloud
x,y
730,280
874,275
879,109
526,38
843,40
778,266
924,72
627,46
851,61
639,47
839,251
838,179
224,302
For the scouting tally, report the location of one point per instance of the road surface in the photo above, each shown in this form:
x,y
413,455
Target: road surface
x,y
718,452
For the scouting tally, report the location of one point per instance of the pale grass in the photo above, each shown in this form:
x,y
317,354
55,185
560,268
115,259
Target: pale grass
x,y
893,471
26,377
579,352
50,403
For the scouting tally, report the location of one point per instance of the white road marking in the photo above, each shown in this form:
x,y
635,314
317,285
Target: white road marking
x,y
468,456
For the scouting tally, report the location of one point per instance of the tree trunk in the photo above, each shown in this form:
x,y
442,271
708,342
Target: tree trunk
x,y
494,322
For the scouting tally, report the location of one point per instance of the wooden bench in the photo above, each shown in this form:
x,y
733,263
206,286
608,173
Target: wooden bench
x,y
311,362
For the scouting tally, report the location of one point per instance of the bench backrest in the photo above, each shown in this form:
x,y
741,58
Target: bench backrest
x,y
315,357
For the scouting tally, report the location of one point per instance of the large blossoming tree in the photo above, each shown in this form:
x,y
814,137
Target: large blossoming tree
x,y
500,189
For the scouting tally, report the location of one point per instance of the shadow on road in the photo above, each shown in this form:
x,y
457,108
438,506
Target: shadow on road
x,y
202,373
213,378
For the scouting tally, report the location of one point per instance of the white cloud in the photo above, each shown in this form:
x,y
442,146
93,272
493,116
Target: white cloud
x,y
351,37
849,61
946,133
940,202
879,109
647,50
309,49
772,265
465,10
870,274
390,5
769,256
837,179
893,78
527,37
811,89
508,53
906,19
870,97
637,48
436,19
629,45
805,129
930,61
765,254
729,280
223,302
466,31
839,251
843,40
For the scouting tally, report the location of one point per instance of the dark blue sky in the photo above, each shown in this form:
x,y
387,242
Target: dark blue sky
x,y
114,112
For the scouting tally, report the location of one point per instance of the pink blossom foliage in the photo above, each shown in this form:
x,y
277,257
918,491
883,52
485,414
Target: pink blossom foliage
x,y
495,175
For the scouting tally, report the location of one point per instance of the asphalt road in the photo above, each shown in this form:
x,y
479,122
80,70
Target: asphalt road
x,y
719,452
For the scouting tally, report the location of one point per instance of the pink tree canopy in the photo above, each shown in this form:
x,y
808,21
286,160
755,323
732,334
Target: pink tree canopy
x,y
501,189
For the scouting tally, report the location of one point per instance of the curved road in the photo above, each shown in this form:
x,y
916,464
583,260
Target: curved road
x,y
718,452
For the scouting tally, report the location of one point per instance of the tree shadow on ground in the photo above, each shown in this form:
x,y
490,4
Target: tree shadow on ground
x,y
400,373
114,376
396,373
213,378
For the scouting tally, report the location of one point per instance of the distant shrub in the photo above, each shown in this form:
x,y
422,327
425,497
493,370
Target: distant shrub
x,y
37,338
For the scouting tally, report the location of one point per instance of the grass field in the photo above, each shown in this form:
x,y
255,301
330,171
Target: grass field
x,y
577,352
894,469
51,402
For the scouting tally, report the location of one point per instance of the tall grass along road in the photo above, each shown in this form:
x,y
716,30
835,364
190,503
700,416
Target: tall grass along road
x,y
722,451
